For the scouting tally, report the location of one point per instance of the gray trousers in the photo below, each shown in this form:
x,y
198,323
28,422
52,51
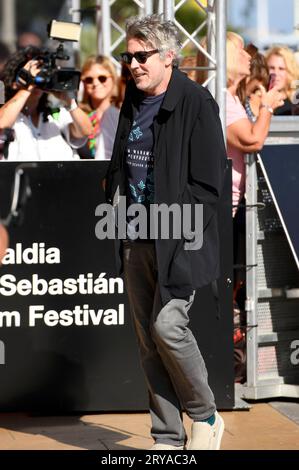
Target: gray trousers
x,y
175,371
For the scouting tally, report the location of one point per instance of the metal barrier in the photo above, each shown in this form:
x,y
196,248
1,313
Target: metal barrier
x,y
272,302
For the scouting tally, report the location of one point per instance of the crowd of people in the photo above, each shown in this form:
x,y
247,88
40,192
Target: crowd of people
x,y
258,87
50,129
53,125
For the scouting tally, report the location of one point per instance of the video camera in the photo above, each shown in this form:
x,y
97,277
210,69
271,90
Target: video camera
x,y
52,77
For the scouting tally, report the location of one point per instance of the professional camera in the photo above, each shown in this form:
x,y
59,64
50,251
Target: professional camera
x,y
6,136
53,77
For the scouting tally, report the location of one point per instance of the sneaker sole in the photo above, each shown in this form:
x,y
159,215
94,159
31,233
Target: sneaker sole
x,y
219,433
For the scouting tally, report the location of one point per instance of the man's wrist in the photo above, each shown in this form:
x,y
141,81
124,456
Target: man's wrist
x,y
267,107
72,105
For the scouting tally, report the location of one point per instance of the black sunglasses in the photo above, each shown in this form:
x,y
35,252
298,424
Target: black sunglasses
x,y
101,78
140,56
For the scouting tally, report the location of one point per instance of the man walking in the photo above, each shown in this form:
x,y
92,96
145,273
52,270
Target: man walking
x,y
169,149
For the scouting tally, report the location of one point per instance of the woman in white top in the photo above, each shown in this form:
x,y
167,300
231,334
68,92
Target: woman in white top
x,y
100,91
41,133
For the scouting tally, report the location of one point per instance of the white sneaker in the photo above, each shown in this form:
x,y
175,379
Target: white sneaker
x,y
165,447
206,437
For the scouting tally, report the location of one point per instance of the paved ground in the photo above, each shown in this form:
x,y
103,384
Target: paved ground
x,y
263,427
288,408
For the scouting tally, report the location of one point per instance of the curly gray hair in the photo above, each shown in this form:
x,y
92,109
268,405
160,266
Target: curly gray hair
x,y
153,30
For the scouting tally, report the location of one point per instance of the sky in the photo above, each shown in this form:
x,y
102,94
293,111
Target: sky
x,y
280,19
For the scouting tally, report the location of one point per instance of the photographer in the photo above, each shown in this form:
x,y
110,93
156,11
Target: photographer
x,y
42,133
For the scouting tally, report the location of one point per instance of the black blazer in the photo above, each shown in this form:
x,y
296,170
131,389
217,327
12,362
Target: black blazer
x,y
190,161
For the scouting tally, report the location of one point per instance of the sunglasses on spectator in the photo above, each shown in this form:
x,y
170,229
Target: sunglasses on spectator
x,y
140,56
100,78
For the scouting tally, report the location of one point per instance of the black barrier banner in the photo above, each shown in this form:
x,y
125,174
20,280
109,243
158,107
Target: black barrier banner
x,y
65,330
280,164
66,339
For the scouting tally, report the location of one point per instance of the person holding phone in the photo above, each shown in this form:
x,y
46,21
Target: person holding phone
x,y
248,120
243,135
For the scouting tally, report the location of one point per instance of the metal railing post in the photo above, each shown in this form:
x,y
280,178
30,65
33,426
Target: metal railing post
x,y
221,61
168,9
251,273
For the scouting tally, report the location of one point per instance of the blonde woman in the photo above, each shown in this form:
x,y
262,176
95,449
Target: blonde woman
x,y
282,62
244,136
100,92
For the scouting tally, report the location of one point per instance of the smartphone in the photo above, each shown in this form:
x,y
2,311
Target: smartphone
x,y
271,82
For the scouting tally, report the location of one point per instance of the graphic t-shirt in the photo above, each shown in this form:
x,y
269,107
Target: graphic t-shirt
x,y
140,158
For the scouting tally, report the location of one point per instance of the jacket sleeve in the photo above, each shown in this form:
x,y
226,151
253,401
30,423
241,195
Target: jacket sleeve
x,y
113,166
207,159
